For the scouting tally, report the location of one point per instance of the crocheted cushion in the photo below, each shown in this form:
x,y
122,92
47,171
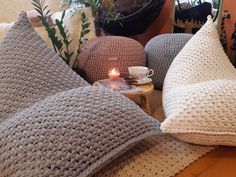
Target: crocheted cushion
x,y
72,22
30,70
101,54
199,92
161,50
71,134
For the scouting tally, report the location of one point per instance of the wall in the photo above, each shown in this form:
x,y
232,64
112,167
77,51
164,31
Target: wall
x,y
229,5
163,23
10,9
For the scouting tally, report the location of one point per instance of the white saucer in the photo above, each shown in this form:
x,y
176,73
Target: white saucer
x,y
143,81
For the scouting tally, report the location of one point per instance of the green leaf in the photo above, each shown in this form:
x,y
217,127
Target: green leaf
x,y
86,25
66,42
61,28
48,12
70,41
45,24
83,15
83,33
36,5
68,55
40,12
45,7
63,15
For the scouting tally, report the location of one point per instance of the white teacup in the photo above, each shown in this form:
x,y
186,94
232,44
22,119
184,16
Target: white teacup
x,y
140,72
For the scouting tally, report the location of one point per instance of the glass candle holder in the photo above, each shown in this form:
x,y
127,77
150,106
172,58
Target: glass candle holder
x,y
114,74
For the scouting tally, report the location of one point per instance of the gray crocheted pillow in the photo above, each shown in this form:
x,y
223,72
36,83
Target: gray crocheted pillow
x,y
71,134
30,70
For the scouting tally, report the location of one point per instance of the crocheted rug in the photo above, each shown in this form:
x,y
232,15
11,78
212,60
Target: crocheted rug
x,y
161,156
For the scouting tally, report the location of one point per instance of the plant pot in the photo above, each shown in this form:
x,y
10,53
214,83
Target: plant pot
x,y
135,23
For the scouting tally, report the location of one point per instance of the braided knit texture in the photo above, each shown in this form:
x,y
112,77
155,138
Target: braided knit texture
x,y
199,92
30,70
72,133
101,54
161,50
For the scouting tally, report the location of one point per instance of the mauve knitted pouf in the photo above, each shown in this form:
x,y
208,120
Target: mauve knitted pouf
x,y
99,55
161,50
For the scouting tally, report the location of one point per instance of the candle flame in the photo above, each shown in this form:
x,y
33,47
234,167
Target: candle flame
x,y
114,74
113,71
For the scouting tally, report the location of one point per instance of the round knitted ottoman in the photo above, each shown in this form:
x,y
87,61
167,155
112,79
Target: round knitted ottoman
x,y
100,55
161,50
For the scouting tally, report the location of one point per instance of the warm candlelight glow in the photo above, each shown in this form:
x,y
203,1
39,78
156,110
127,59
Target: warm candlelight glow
x,y
114,74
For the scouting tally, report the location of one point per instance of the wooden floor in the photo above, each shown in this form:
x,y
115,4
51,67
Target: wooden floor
x,y
219,163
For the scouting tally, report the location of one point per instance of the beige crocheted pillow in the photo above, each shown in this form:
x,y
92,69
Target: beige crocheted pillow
x,y
71,134
30,70
72,22
199,95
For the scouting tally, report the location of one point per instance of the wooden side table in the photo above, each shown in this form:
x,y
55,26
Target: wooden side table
x,y
144,95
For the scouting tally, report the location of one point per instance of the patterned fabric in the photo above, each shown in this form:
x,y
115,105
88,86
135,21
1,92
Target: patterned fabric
x,y
30,70
159,156
71,134
100,55
199,92
161,50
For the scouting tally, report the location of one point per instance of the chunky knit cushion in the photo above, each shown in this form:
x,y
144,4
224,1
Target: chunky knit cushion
x,y
71,134
199,92
101,54
29,70
161,50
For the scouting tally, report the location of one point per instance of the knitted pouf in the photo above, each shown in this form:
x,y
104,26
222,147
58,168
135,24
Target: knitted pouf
x,y
161,50
100,55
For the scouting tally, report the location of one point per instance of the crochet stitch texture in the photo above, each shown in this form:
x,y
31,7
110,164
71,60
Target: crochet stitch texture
x,y
72,133
161,51
30,70
199,92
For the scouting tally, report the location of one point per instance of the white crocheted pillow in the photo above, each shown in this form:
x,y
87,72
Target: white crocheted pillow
x,y
71,134
30,70
199,95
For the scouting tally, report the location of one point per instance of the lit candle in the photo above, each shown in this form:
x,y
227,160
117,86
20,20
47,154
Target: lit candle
x,y
114,74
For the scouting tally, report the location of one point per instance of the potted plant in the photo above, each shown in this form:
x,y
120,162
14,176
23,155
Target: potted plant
x,y
115,20
59,34
134,22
